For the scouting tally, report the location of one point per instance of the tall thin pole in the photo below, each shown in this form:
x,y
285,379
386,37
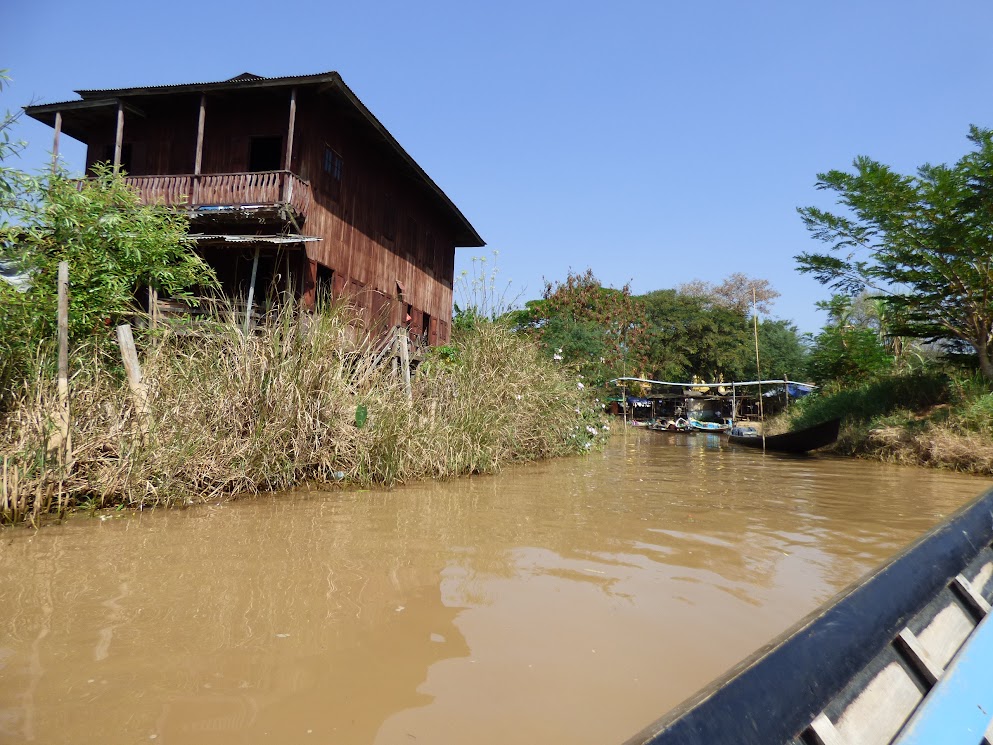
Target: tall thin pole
x,y
251,291
63,337
758,370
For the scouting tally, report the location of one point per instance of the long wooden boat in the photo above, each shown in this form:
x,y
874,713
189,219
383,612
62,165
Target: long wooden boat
x,y
904,656
799,441
701,426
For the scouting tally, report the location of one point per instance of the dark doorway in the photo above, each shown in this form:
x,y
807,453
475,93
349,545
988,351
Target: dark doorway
x,y
325,285
265,154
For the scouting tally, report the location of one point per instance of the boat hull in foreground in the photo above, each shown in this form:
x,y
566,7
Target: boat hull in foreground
x,y
903,654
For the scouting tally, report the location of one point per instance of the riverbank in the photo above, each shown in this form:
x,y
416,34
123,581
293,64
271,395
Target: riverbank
x,y
938,418
296,401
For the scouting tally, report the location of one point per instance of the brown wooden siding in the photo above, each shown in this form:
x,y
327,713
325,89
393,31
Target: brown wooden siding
x,y
420,256
384,269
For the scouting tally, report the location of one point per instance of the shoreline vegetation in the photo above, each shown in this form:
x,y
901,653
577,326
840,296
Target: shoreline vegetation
x,y
297,400
931,418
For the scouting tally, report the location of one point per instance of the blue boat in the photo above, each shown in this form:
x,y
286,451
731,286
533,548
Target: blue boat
x,y
702,426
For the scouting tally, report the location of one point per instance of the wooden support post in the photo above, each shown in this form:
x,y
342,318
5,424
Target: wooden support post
x,y
129,355
198,157
403,339
55,142
63,340
251,291
291,126
119,136
288,159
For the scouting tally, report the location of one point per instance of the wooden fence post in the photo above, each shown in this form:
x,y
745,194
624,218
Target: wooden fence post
x,y
132,367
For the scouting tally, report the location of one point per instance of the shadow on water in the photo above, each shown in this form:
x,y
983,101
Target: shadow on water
x,y
575,599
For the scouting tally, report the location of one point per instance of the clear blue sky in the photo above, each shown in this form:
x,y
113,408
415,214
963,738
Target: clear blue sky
x,y
656,142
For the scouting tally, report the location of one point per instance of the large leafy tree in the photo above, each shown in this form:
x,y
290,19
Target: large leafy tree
x,y
685,335
593,327
783,352
924,241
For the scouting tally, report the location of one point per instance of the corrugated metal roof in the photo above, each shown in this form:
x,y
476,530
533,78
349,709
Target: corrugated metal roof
x,y
248,81
278,239
238,81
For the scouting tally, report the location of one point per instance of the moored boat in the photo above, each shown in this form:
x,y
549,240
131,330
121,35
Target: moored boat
x,y
798,441
702,426
904,656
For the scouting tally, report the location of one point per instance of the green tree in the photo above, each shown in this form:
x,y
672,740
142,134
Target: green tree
x,y
687,334
586,324
849,350
924,241
17,188
115,246
783,352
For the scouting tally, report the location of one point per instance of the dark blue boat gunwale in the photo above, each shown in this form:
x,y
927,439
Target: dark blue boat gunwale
x,y
773,696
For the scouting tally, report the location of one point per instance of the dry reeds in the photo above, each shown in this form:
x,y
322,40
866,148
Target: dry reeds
x,y
230,413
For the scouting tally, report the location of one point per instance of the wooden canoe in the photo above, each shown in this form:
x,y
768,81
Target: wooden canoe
x,y
799,441
904,657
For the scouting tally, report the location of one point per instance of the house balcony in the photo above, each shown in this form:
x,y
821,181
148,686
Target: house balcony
x,y
213,194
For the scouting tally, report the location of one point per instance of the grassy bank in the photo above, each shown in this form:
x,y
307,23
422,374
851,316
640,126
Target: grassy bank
x,y
295,401
936,418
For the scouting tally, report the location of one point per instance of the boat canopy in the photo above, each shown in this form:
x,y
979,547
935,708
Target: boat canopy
x,y
796,389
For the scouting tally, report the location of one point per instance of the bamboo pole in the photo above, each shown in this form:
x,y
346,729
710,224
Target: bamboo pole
x,y
251,291
758,369
63,370
402,339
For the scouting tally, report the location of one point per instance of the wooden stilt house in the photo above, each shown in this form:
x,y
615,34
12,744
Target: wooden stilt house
x,y
293,186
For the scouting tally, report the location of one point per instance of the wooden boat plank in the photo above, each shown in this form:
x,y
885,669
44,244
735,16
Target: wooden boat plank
x,y
882,707
960,708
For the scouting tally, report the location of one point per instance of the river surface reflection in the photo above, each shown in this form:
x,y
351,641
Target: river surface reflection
x,y
573,601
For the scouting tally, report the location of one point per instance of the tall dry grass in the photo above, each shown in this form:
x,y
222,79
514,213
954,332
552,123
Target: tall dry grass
x,y
230,414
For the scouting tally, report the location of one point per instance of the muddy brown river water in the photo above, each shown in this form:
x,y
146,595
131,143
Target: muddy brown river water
x,y
572,601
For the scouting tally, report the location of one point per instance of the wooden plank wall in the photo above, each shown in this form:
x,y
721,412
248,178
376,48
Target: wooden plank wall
x,y
421,253
368,259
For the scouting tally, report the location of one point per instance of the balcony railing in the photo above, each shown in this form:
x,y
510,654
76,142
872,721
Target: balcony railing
x,y
225,189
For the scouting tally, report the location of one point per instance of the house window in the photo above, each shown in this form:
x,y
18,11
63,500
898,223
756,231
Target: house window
x,y
265,154
332,167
